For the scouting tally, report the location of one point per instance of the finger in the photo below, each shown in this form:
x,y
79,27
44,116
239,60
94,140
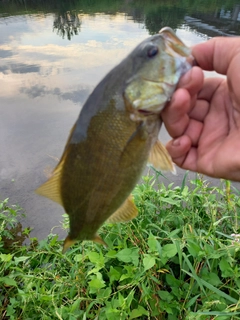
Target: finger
x,y
175,115
183,155
209,88
178,149
194,130
217,53
192,80
190,161
200,110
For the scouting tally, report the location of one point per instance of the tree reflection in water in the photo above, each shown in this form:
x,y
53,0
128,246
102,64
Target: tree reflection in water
x,y
67,24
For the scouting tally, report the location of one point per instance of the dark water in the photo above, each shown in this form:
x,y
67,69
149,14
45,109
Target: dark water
x,y
52,54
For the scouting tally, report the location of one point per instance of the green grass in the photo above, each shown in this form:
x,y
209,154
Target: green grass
x,y
177,260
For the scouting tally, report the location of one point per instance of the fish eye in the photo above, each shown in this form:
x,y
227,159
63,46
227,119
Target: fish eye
x,y
152,51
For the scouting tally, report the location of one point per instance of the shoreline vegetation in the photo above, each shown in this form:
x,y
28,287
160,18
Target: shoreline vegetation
x,y
153,14
179,259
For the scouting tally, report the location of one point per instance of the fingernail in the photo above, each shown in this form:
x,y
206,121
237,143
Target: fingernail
x,y
176,143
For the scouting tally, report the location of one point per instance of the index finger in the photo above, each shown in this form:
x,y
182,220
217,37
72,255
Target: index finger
x,y
175,115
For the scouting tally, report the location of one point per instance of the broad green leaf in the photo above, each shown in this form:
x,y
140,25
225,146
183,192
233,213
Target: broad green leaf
x,y
172,281
171,201
124,255
139,312
113,274
148,261
165,295
212,278
152,243
165,306
208,249
193,248
10,311
20,259
111,254
217,255
226,269
96,258
113,314
169,250
13,301
130,272
129,255
78,257
8,281
125,276
96,283
104,293
135,256
6,257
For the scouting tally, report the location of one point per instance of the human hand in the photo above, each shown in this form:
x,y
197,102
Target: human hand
x,y
203,116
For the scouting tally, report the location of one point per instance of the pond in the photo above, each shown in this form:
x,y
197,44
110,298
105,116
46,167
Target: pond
x,y
53,53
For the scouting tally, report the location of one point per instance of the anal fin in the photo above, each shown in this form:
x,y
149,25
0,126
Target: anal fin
x,y
126,212
99,240
160,158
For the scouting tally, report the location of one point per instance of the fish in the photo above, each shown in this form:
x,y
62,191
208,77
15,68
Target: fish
x,y
115,136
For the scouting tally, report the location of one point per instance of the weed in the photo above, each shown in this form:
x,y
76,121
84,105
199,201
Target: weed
x,y
179,259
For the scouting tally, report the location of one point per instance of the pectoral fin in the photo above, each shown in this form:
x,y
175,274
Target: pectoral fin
x,y
160,158
126,212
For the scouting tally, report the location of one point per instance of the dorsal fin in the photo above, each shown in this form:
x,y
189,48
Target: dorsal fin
x,y
126,212
160,158
51,188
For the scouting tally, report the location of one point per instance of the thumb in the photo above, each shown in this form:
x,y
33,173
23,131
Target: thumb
x,y
217,53
223,56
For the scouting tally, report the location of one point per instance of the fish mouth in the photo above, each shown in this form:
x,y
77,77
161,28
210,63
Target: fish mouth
x,y
146,112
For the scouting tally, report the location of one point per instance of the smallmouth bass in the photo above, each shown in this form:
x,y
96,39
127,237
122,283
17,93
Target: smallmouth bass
x,y
115,135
